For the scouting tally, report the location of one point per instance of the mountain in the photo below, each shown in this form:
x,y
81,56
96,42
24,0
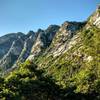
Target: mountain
x,y
59,63
43,40
17,47
73,58
12,46
6,42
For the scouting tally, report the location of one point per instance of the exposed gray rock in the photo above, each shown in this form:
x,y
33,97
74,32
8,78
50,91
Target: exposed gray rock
x,y
55,40
17,48
12,55
28,43
43,40
95,18
6,42
64,36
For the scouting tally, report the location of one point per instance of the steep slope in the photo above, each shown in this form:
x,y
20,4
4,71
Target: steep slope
x,y
63,37
95,18
9,59
16,48
11,45
67,63
66,37
43,40
74,60
28,43
6,42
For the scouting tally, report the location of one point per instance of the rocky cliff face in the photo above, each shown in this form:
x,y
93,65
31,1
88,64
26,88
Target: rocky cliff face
x,y
95,18
15,47
29,41
54,42
67,31
6,42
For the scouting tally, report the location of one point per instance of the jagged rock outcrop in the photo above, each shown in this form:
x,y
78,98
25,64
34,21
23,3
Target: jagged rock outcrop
x,y
43,40
6,42
65,34
17,47
12,55
54,41
95,18
14,49
28,43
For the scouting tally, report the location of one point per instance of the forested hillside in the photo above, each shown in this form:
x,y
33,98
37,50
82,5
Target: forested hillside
x,y
59,63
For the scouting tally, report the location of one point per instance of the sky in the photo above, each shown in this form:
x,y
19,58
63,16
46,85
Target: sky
x,y
25,15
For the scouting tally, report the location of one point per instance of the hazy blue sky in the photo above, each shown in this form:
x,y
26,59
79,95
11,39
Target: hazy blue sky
x,y
25,15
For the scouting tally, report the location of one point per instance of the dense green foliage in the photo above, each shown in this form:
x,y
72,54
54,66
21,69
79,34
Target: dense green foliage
x,y
28,83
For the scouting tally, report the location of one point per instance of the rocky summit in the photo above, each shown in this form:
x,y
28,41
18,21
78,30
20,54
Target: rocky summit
x,y
61,62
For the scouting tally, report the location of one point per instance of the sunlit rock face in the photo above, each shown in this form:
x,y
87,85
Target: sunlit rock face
x,y
15,48
95,18
12,45
28,43
55,40
6,42
65,37
44,39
